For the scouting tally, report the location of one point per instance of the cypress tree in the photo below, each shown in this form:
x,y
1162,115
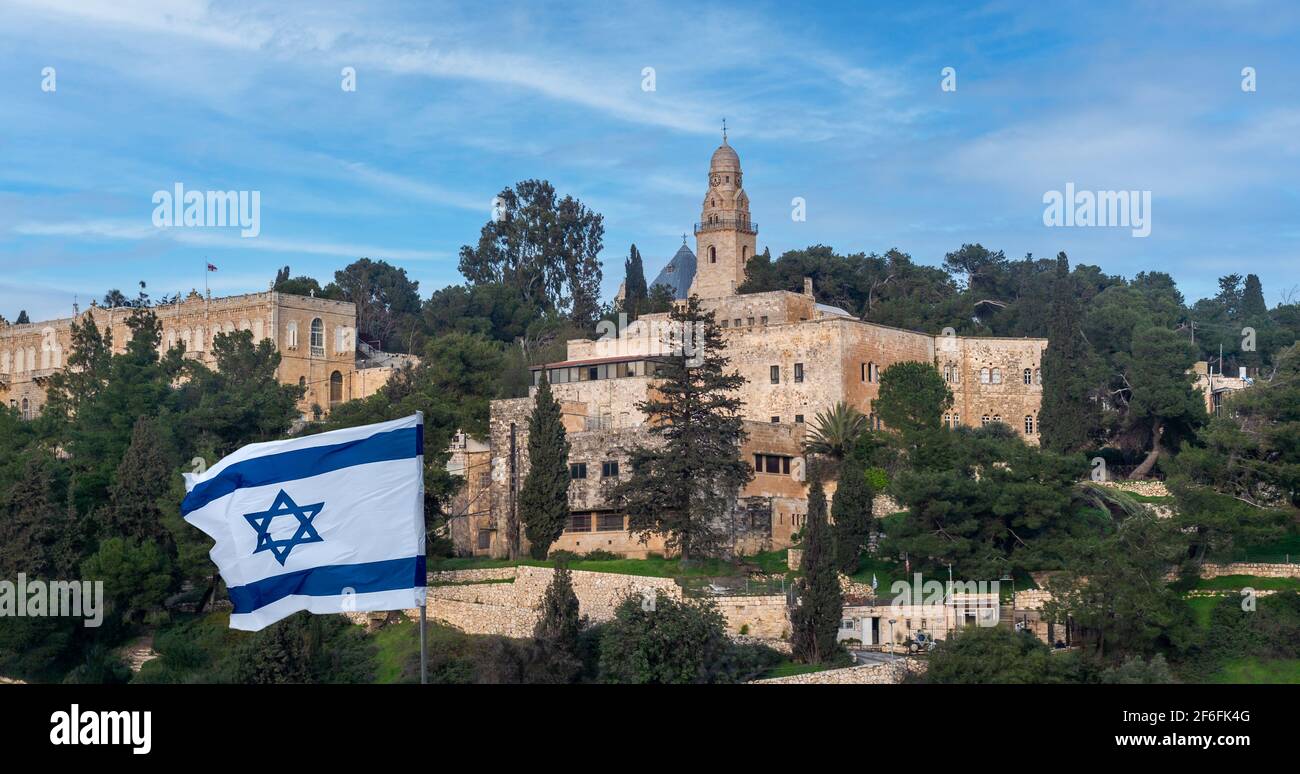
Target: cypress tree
x,y
1252,298
815,621
560,622
635,292
142,478
544,497
852,512
1068,419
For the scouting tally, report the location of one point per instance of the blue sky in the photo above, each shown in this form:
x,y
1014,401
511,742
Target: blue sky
x,y
839,104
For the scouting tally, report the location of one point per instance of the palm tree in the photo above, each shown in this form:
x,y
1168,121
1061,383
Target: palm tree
x,y
833,433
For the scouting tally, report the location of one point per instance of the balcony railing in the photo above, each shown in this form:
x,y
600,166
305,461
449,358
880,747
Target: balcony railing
x,y
728,224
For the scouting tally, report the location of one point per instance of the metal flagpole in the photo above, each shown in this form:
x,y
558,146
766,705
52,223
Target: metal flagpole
x,y
424,653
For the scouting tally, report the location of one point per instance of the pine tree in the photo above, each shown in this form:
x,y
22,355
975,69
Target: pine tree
x,y
815,620
852,515
684,486
635,292
1069,416
544,497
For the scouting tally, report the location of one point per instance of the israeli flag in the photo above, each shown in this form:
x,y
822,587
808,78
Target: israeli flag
x,y
327,523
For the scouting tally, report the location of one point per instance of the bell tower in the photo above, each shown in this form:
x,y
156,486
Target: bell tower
x,y
725,236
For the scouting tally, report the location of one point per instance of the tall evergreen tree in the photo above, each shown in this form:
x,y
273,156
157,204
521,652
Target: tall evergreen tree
x,y
560,622
684,486
23,319
635,292
1165,408
1252,298
544,497
815,620
142,478
1069,417
852,515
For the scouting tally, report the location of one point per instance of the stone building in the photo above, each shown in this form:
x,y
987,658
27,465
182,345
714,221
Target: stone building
x,y
798,358
316,338
1215,387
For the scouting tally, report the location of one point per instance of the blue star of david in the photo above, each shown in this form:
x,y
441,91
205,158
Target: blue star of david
x,y
284,506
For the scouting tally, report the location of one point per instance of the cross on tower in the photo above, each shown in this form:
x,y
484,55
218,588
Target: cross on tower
x,y
724,130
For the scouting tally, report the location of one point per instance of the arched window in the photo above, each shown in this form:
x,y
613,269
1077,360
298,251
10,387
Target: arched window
x,y
873,372
1038,376
317,338
1029,425
947,420
997,417
997,376
302,382
1029,376
336,388
984,420
291,335
27,409
984,376
956,420
713,254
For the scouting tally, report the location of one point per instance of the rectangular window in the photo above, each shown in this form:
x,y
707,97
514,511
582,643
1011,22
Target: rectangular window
x,y
798,372
750,322
798,419
776,374
864,372
484,539
737,323
725,324
578,522
763,320
609,522
609,469
577,470
776,420
772,464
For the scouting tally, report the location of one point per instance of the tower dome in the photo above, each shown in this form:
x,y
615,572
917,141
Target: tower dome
x,y
724,159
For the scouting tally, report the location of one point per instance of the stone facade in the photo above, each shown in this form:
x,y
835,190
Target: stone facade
x,y
798,358
316,338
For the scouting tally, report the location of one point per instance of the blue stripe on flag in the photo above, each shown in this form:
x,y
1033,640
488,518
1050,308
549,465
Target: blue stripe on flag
x,y
302,463
330,580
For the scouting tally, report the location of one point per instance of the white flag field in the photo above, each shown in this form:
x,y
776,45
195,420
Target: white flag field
x,y
327,523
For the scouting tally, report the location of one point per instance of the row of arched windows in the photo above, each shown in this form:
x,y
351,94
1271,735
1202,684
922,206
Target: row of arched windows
x,y
994,375
953,421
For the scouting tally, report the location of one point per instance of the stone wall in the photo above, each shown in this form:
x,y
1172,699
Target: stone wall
x,y
512,609
1257,569
886,673
760,617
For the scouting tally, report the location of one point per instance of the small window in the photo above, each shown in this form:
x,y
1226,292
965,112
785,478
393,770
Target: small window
x,y
984,376
984,420
763,320
736,322
579,522
1029,425
1038,376
997,376
776,420
713,254
956,420
750,322
846,624
775,373
1029,376
864,372
798,419
609,469
484,539
726,324
798,372
577,470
